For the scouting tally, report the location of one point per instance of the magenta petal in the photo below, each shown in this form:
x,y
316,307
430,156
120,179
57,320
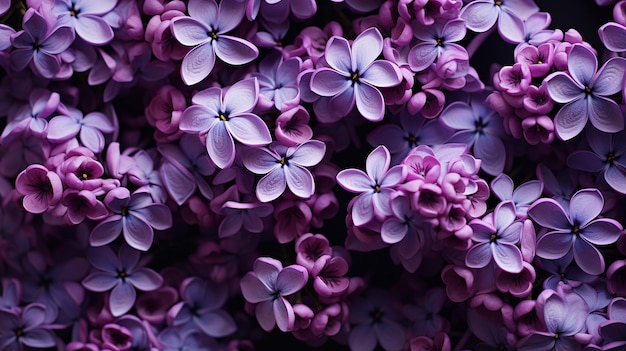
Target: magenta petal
x,y
189,31
327,82
588,258
366,48
249,129
369,102
283,312
479,255
93,30
554,245
572,118
271,186
122,299
106,231
198,64
582,64
137,233
220,145
299,180
235,51
605,114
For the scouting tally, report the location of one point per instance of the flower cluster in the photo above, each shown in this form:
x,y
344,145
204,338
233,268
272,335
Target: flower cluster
x,y
344,174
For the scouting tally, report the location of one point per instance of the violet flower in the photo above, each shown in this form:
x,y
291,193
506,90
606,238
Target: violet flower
x,y
205,29
222,114
278,81
122,274
435,39
375,186
89,128
85,17
41,188
575,229
284,167
25,328
522,196
246,216
585,91
268,286
278,10
354,74
481,15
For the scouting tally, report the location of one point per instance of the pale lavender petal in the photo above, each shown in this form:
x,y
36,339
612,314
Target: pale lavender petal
x,y
122,299
362,209
95,7
220,145
458,115
478,256
299,180
369,102
145,279
605,114
502,186
309,154
610,77
100,281
283,312
197,119
511,234
479,16
366,48
230,15
528,192
381,202
572,118
377,163
254,290
235,51
197,64
549,214
508,257
260,160
93,30
504,215
490,149
211,99
421,56
511,28
58,41
588,258
355,180
338,55
382,74
271,186
291,279
396,175
62,128
327,82
582,64
613,35
585,205
179,183
205,11
241,97
393,231
265,315
158,216
137,233
616,178
106,231
189,31
216,324
249,129
92,139
563,89
47,65
454,30
33,315
553,245
98,120
602,231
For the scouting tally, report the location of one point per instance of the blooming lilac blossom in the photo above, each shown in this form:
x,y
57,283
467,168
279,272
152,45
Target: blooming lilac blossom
x,y
41,188
25,328
278,10
481,15
278,84
522,197
89,128
434,40
85,17
584,92
205,29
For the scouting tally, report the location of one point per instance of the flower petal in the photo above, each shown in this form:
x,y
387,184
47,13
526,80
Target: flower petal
x,y
271,186
616,178
197,64
508,257
479,255
254,290
328,82
93,29
605,114
299,180
260,160
216,324
137,233
100,281
490,150
549,214
122,299
377,163
393,231
179,183
145,279
582,64
554,245
220,146
354,180
189,31
337,55
421,56
366,48
563,89
479,16
362,209
610,77
369,102
235,51
283,312
205,11
602,231
585,205
241,97
309,153
106,231
249,129
588,258
571,119
291,279
585,161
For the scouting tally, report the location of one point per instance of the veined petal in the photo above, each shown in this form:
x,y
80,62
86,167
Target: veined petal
x,y
549,214
100,281
197,119
393,231
490,150
299,180
478,256
283,312
205,11
422,55
382,74
502,186
507,256
328,82
47,65
458,115
249,129
61,128
260,160
572,118
610,77
122,299
605,114
613,35
396,175
554,245
504,215
563,89
253,289
189,31
616,178
479,16
369,102
363,209
366,48
198,63
511,27
454,30
95,7
588,258
220,145
106,231
58,41
338,55
585,205
158,216
145,279
291,279
93,30
377,163
241,97
528,192
582,64
179,183
92,139
355,180
235,51
230,15
137,233
309,153
602,231
271,186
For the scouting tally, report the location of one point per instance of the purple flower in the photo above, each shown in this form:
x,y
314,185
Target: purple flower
x,y
40,45
122,274
25,328
481,15
135,215
375,186
522,197
292,127
89,128
85,17
584,92
328,275
284,167
240,215
205,30
435,39
278,81
222,114
354,74
496,239
41,188
201,306
278,10
575,229
268,286
32,116
83,204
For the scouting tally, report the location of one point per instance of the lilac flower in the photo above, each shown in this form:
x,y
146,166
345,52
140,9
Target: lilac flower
x,y
614,328
240,215
122,274
435,39
41,104
607,155
481,15
146,177
496,239
278,10
25,328
328,275
425,314
522,197
222,114
89,128
268,286
354,74
41,188
375,186
292,127
584,92
575,229
83,204
205,29
173,339
135,216
202,307
85,17
284,167
278,81
40,45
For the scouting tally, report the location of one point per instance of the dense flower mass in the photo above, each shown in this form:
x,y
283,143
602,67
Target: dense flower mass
x,y
312,174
